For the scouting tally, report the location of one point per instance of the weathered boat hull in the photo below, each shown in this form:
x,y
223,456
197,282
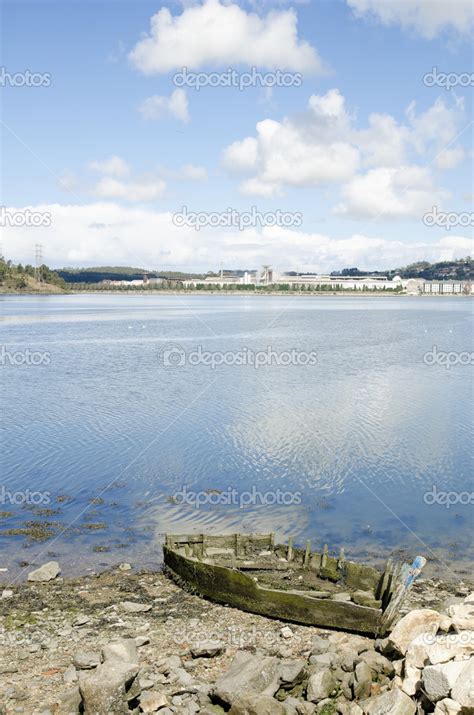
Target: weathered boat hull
x,y
237,589
189,561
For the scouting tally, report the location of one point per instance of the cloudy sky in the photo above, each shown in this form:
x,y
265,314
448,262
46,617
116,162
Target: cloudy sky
x,y
363,142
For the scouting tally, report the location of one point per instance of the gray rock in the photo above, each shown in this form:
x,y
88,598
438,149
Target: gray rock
x,y
349,662
362,681
68,703
124,649
423,620
463,688
447,707
291,671
439,679
377,662
134,607
145,683
141,640
320,686
394,702
105,689
323,706
346,682
319,645
257,705
462,616
341,597
207,649
323,660
291,705
151,702
84,659
47,572
166,665
248,673
70,675
184,679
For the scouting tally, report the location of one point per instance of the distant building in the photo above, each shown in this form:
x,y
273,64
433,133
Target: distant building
x,y
419,286
267,277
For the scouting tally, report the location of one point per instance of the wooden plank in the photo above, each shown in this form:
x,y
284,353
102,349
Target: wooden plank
x,y
289,553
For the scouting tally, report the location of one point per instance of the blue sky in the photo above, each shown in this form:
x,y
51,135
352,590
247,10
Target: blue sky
x,y
111,149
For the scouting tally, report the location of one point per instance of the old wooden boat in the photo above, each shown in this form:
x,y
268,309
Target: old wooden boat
x,y
252,572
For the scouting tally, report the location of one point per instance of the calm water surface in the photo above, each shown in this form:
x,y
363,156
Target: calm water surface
x,y
345,451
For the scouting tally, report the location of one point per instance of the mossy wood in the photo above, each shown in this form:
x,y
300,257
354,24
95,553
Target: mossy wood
x,y
250,572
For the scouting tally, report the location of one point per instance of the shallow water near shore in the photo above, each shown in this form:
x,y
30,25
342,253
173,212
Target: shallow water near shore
x,y
125,433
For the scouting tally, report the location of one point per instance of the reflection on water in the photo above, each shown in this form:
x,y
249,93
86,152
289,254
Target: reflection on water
x,y
113,432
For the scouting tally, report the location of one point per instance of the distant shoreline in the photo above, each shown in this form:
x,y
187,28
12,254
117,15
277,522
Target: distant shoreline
x,y
281,294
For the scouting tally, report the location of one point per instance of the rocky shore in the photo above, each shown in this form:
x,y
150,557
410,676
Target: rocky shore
x,y
127,642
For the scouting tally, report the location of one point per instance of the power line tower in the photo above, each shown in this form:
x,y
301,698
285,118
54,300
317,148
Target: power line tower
x,y
38,261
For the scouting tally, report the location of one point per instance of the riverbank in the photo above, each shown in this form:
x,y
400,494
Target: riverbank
x,y
53,635
281,294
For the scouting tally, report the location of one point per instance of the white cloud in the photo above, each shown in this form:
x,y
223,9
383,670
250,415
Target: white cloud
x,y
190,172
450,158
322,146
114,166
158,107
307,151
390,193
187,172
242,156
144,190
101,233
218,34
147,187
429,18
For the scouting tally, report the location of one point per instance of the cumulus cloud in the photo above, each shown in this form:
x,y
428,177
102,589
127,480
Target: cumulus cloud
x,y
119,184
429,18
306,151
323,146
144,190
217,33
390,193
90,234
113,166
158,107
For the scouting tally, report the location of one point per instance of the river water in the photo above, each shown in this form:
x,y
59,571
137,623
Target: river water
x,y
335,419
